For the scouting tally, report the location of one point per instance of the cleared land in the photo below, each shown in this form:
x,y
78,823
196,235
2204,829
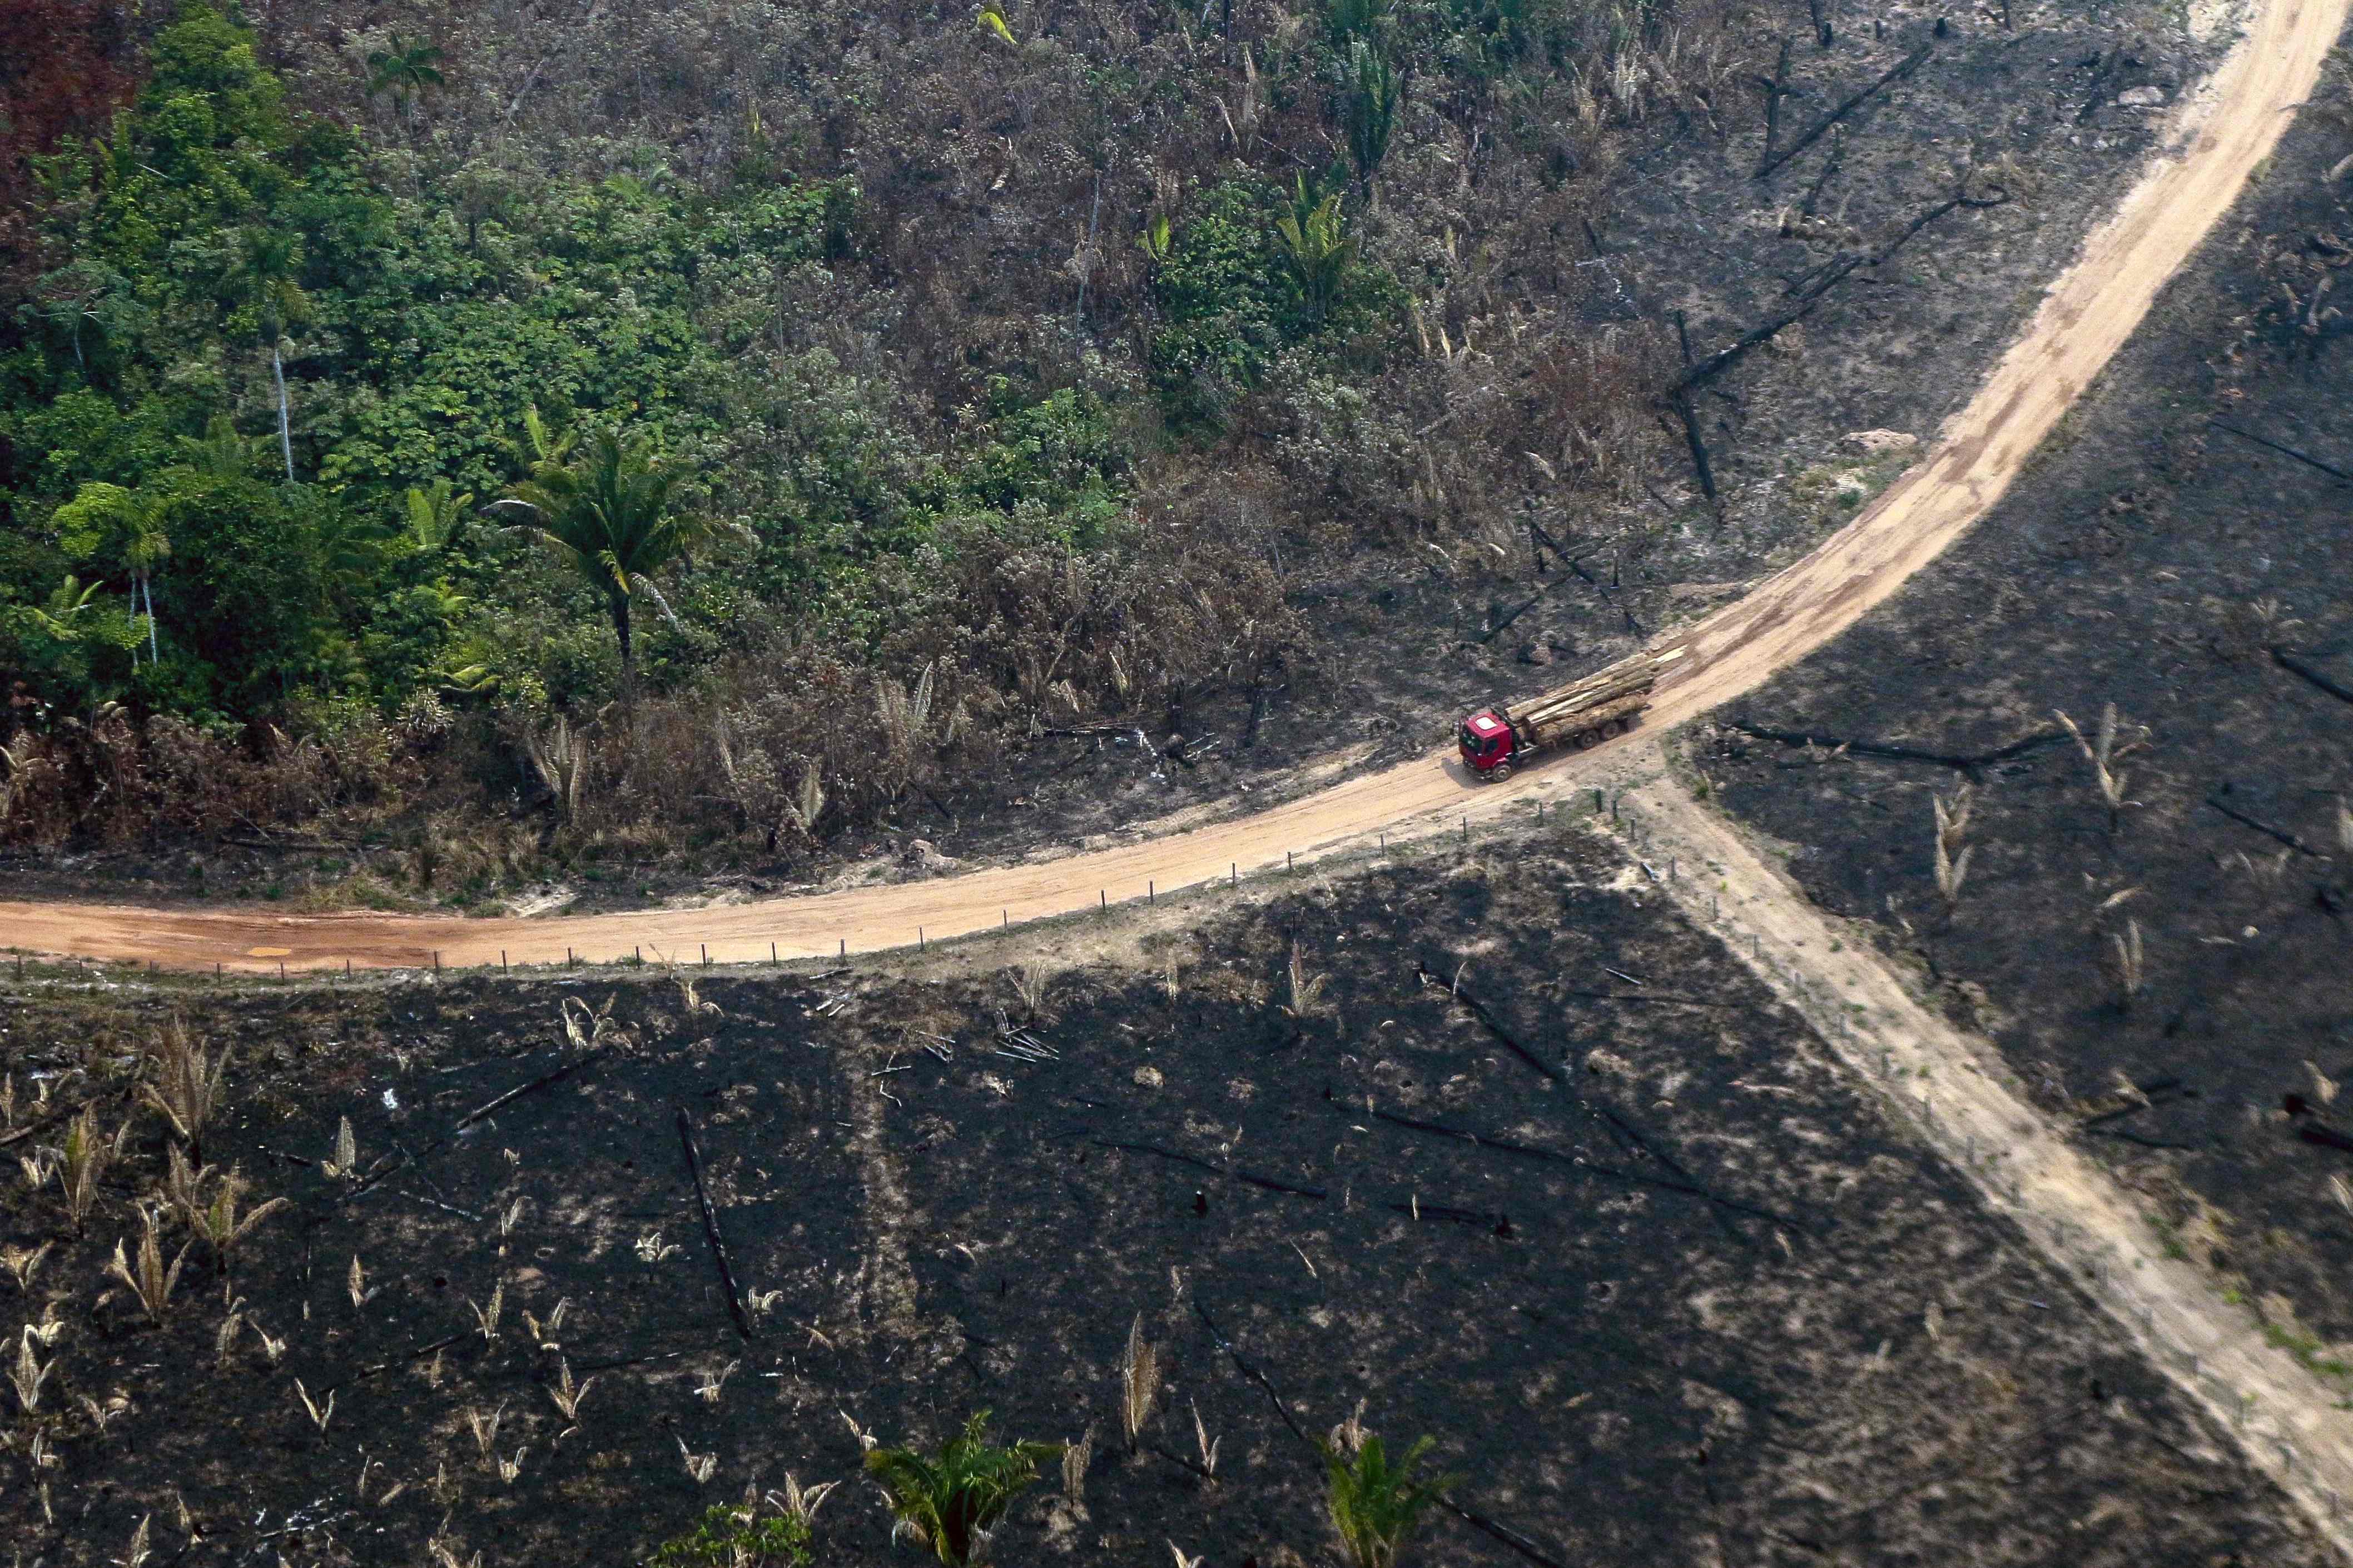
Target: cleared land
x,y
1692,1298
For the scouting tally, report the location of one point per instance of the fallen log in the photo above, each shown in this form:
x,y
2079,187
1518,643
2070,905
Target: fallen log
x,y
1893,752
2304,458
1623,1128
544,1080
380,1368
2279,834
710,1227
1588,1167
2296,667
1830,169
1894,74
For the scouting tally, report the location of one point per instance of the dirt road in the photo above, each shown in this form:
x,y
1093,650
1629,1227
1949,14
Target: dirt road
x,y
1966,1103
2217,136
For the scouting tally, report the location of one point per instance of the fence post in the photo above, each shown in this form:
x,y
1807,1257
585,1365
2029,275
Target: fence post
x,y
1289,861
1234,875
772,953
1103,898
1151,892
845,948
436,961
503,960
347,969
919,939
706,955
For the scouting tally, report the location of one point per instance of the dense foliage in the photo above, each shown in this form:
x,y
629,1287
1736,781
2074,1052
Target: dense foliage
x,y
304,338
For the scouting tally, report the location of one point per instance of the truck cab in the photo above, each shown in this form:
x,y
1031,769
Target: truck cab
x,y
1487,743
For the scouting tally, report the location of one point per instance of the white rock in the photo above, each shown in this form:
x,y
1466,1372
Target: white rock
x,y
1879,443
2141,97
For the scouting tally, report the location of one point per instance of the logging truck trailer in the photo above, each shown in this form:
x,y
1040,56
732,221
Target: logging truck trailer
x,y
1584,714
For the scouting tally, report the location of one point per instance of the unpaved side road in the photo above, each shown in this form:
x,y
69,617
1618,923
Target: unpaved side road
x,y
1961,1097
2215,139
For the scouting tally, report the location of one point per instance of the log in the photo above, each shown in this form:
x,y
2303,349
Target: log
x,y
542,1081
2279,834
1829,167
2286,662
1588,1167
1774,93
1896,73
1698,444
1623,1130
2304,458
1893,752
710,1227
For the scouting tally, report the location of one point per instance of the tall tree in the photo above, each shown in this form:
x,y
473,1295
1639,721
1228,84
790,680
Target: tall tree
x,y
268,267
103,517
607,512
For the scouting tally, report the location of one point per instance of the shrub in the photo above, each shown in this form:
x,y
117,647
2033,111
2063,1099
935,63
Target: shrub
x,y
954,1503
737,1535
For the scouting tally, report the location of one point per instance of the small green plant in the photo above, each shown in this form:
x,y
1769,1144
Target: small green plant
x,y
737,1535
954,1503
1375,1506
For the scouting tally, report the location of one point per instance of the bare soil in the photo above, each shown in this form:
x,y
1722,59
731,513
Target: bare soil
x,y
1730,1312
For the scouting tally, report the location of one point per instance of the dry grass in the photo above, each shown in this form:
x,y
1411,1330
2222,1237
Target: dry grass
x,y
150,1281
1031,986
1139,1379
1952,850
187,1089
81,1161
2128,964
2104,752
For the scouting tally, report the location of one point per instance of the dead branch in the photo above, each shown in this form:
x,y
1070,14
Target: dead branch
x,y
1896,73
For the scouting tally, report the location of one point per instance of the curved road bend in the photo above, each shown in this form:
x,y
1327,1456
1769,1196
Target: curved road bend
x,y
2216,137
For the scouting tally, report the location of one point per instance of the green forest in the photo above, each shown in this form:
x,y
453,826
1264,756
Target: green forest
x,y
362,456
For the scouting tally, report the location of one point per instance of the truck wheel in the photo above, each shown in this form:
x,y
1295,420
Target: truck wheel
x,y
1610,728
1586,738
1498,772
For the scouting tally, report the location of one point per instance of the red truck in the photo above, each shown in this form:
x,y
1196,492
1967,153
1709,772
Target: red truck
x,y
1584,712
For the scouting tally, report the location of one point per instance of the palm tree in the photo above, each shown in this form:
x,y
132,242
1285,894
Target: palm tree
x,y
1314,239
102,515
1376,1505
951,1504
267,267
607,512
405,69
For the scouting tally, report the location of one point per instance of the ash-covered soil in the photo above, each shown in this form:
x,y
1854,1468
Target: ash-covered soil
x,y
2195,579
1688,1297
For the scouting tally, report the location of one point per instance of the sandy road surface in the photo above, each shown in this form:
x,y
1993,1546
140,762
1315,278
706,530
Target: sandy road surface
x,y
1964,1101
2216,137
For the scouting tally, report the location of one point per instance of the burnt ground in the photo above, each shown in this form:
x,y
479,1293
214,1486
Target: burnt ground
x,y
1715,1308
2186,574
1398,658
